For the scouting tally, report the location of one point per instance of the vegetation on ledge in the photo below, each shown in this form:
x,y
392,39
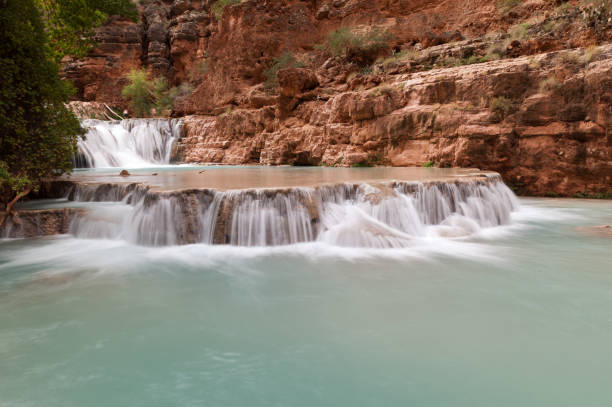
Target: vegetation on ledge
x,y
39,133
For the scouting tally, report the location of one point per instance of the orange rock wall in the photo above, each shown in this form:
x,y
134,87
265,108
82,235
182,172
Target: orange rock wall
x,y
331,113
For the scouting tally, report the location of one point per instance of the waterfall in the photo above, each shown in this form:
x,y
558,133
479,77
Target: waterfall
x,y
129,143
382,215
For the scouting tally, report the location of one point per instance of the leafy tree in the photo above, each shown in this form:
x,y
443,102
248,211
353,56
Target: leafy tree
x,y
139,91
162,97
146,93
71,23
38,132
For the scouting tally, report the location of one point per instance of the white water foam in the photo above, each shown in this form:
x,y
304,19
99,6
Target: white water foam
x,y
370,216
130,143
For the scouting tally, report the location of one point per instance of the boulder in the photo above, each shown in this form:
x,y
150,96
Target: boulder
x,y
294,81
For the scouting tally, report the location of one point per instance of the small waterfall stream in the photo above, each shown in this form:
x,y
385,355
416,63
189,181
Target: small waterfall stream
x,y
129,143
382,215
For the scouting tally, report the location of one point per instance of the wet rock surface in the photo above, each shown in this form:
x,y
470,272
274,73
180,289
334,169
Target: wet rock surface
x,y
277,216
43,222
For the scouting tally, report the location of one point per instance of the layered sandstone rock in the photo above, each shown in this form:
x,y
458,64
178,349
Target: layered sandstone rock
x,y
43,222
549,140
496,115
101,75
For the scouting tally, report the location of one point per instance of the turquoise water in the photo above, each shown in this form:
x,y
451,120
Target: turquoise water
x,y
519,315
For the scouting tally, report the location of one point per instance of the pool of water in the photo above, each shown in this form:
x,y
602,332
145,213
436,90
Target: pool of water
x,y
219,177
516,315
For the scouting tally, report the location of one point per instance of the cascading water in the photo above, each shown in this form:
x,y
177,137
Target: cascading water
x,y
388,215
129,143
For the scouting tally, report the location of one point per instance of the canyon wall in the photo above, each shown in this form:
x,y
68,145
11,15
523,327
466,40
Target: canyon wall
x,y
538,112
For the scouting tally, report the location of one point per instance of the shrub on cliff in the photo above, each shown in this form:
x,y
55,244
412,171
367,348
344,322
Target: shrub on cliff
x,y
501,106
285,60
549,84
358,47
139,91
218,7
38,132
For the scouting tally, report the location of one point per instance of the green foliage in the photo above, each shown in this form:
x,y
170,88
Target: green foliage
x,y
285,60
502,106
39,133
563,8
161,95
570,58
519,32
477,60
429,164
180,92
552,26
453,61
139,91
146,93
219,5
591,54
340,41
403,55
361,164
549,84
496,51
70,24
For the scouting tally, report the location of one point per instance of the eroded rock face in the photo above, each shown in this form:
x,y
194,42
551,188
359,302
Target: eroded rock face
x,y
44,222
395,112
555,140
101,76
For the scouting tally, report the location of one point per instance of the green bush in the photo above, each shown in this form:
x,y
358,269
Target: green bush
x,y
429,164
339,42
502,106
219,6
146,93
549,84
591,54
180,92
139,91
519,32
570,58
285,60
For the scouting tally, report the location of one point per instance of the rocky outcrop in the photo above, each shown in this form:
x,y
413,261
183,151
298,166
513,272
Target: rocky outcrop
x,y
43,222
543,122
101,75
287,215
540,115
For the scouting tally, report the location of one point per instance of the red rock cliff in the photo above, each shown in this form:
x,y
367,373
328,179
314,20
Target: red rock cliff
x,y
540,115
